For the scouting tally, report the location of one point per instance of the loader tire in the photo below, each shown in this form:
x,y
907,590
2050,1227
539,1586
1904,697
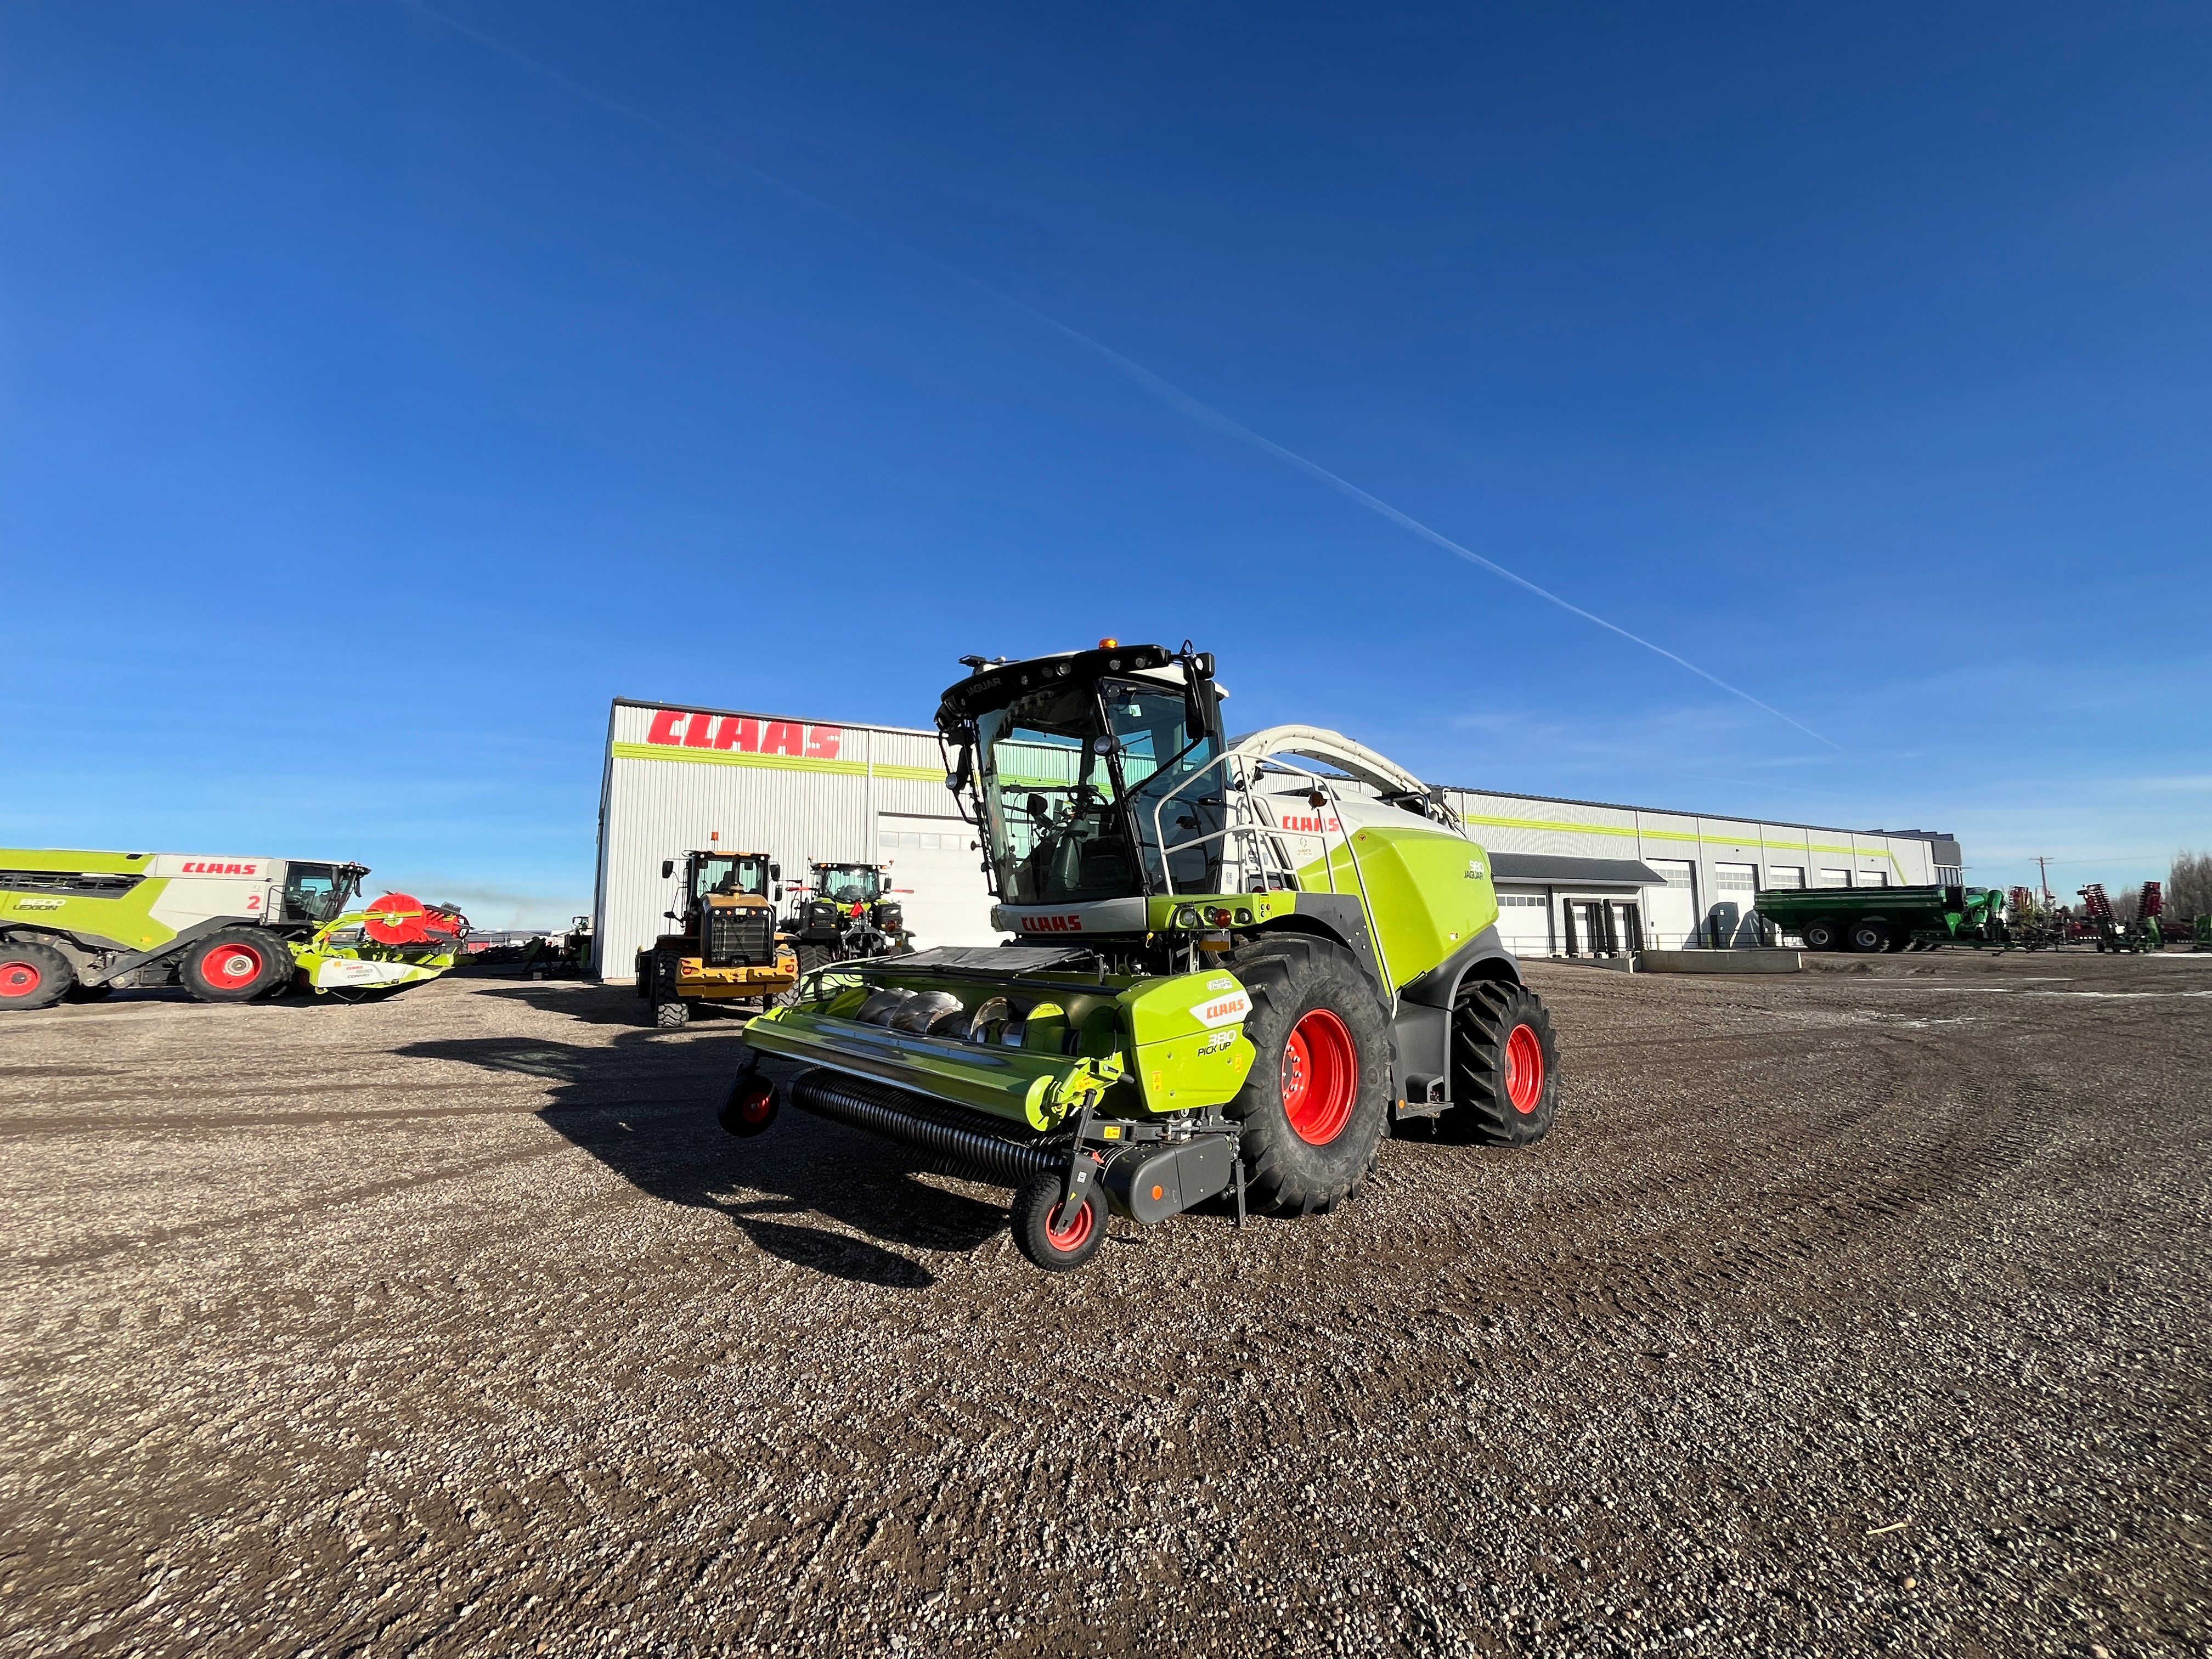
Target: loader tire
x,y
234,965
1505,1080
32,975
671,1015
1317,1099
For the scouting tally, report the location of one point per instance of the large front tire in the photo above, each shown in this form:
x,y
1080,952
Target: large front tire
x,y
1317,1099
32,975
1506,1082
234,965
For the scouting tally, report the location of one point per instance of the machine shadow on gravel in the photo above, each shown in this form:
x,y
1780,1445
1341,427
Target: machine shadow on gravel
x,y
592,1004
646,1108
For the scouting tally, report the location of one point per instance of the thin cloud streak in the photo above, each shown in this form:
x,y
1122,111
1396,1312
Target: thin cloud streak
x,y
1166,390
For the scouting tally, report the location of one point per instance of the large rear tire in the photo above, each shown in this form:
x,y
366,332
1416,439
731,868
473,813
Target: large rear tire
x,y
1318,1098
1823,933
32,975
1505,1081
234,965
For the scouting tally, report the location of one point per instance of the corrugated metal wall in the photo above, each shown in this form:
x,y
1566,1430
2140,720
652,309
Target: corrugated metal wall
x,y
799,789
793,788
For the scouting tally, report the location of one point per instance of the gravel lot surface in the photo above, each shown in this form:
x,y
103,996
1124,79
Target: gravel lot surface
x,y
1862,1309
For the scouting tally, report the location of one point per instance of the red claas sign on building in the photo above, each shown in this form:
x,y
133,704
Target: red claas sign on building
x,y
680,728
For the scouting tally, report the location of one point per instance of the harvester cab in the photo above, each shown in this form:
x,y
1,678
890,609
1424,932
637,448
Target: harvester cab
x,y
846,912
1236,964
726,948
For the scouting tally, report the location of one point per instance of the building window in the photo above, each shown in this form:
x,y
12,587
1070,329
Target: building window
x,y
1874,877
1521,901
1835,877
1790,876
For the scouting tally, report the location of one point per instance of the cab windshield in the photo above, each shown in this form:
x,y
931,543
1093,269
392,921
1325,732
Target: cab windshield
x,y
847,886
726,875
317,892
1074,783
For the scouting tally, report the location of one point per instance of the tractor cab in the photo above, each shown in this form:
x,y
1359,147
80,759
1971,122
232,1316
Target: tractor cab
x,y
1095,771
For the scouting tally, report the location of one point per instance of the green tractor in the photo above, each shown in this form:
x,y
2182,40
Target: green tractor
x,y
229,929
1234,971
845,912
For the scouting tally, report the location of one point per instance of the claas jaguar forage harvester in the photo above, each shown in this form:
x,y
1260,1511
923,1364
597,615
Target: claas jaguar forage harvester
x,y
1233,969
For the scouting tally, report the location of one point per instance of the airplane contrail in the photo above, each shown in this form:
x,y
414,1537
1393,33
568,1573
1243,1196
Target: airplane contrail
x,y
1174,396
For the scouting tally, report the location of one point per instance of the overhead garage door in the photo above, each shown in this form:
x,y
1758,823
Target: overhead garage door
x,y
932,859
1524,924
1670,913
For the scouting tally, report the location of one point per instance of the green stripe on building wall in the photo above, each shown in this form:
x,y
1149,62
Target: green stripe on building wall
x,y
851,769
1564,826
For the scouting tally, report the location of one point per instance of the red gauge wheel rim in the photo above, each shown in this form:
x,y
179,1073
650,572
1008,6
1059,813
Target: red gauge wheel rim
x,y
1073,1235
1524,1069
232,966
1321,1077
18,979
753,1104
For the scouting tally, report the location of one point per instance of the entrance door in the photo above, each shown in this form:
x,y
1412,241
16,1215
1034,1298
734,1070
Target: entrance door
x,y
1670,913
941,875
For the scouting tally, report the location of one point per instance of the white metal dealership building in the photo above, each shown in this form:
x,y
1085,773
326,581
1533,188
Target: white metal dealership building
x,y
1574,878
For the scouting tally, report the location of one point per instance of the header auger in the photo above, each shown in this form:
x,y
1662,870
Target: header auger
x,y
1237,964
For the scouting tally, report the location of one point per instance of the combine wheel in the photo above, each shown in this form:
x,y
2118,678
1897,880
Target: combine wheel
x,y
234,965
1869,937
1315,1103
32,976
1055,1236
1505,1066
1823,933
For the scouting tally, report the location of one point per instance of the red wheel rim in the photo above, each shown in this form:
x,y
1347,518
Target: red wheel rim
x,y
1524,1069
1321,1077
1073,1236
232,966
753,1105
18,979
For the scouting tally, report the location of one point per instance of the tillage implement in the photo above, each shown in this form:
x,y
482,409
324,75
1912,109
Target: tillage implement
x,y
1234,969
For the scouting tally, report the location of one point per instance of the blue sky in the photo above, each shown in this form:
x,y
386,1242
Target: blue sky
x,y
375,404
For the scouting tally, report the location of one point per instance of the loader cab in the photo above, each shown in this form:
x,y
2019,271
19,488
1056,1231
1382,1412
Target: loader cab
x,y
1095,772
727,875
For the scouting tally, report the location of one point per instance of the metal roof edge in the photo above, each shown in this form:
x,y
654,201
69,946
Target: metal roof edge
x,y
798,720
1676,813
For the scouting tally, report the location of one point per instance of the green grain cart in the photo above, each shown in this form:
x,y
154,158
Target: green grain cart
x,y
1876,919
1233,970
